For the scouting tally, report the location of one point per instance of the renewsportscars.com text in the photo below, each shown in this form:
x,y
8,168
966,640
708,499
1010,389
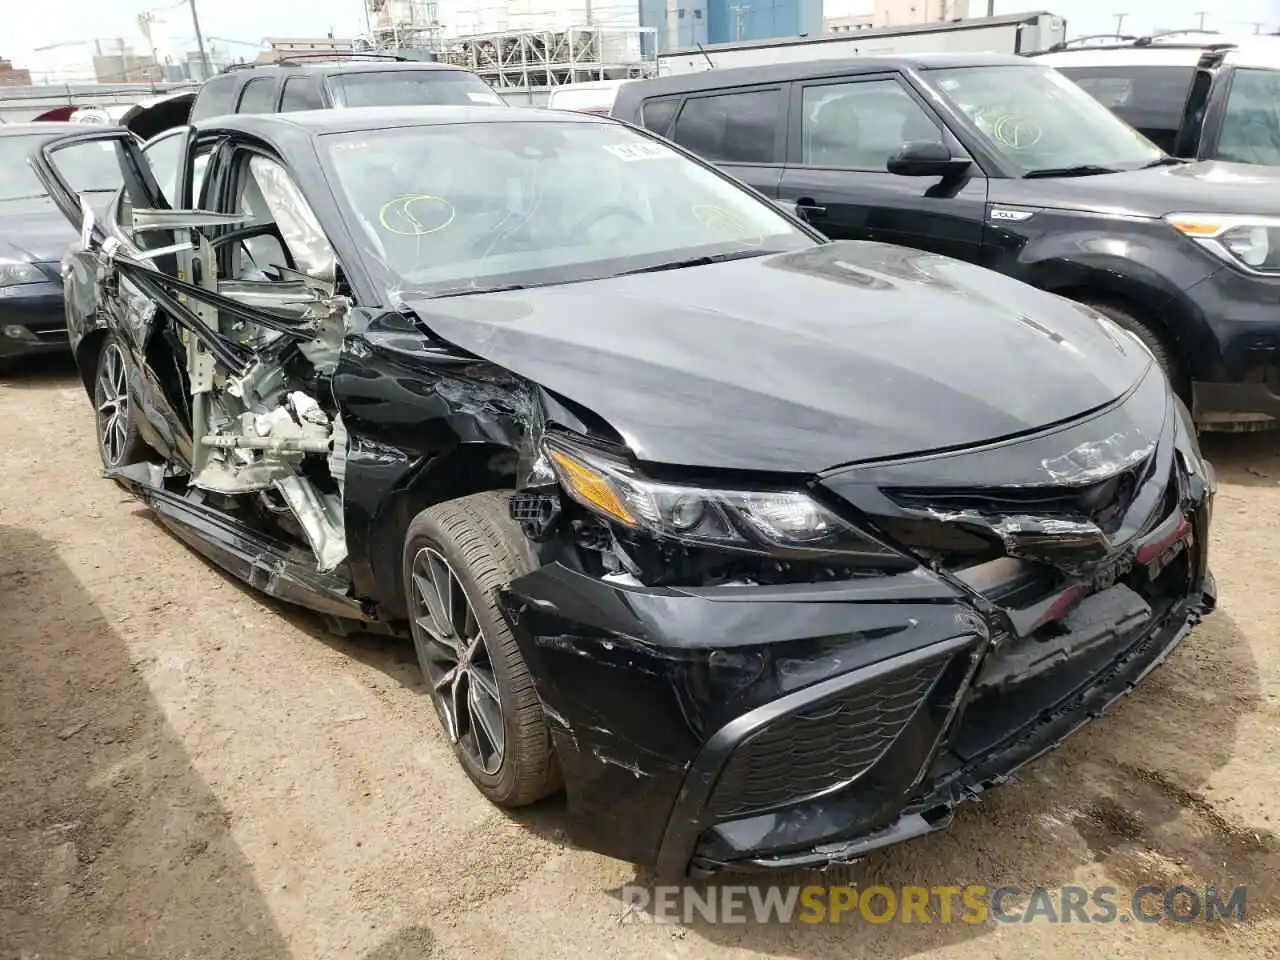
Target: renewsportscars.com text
x,y
970,903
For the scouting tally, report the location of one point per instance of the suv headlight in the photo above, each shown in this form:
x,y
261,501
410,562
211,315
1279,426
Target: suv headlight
x,y
1249,242
14,272
780,523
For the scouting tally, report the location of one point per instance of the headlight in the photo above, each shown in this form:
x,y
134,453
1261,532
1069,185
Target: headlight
x,y
778,523
1249,242
14,272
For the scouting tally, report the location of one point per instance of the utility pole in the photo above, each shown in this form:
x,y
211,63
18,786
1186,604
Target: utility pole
x,y
1201,14
1119,23
204,57
740,11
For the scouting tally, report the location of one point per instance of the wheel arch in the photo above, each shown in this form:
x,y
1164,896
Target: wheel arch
x,y
466,469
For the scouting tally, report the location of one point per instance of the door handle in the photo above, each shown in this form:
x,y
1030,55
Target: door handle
x,y
806,205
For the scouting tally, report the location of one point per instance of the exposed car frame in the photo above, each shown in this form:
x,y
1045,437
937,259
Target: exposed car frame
x,y
981,584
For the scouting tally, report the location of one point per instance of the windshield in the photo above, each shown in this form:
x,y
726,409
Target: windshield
x,y
90,168
1251,124
1043,122
462,207
404,88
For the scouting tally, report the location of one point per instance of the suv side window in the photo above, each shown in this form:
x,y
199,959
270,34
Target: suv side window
x,y
300,94
216,98
860,125
1251,123
1150,99
732,127
656,115
258,96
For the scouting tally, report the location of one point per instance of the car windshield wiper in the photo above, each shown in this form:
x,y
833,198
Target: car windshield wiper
x,y
1083,170
701,261
1163,162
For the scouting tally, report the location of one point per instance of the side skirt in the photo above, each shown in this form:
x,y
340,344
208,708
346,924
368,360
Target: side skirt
x,y
260,561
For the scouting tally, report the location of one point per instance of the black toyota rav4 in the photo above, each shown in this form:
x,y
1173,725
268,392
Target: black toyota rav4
x,y
1004,162
769,548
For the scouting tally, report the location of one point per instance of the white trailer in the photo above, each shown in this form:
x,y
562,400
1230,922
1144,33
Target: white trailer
x,y
1014,33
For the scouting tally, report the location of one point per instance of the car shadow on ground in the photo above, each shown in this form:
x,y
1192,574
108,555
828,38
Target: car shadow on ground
x,y
112,844
38,372
1248,459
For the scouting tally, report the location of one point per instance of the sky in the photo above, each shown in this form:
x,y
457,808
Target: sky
x,y
26,26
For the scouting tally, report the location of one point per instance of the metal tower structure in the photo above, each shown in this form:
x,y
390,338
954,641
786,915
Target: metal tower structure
x,y
403,23
539,59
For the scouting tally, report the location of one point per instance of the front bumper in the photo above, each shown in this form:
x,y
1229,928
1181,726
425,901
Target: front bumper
x,y
753,727
32,320
1243,314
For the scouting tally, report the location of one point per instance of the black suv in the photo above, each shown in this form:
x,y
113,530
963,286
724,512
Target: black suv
x,y
1003,161
1210,99
301,83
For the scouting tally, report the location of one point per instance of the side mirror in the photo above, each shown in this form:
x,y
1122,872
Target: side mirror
x,y
925,158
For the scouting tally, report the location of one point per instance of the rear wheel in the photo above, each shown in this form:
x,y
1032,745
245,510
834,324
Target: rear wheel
x,y
457,556
119,442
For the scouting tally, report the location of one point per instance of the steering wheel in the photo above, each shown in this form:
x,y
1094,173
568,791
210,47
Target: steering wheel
x,y
612,212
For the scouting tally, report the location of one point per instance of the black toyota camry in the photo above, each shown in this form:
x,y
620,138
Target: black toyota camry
x,y
767,549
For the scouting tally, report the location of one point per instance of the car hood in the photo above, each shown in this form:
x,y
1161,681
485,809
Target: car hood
x,y
34,230
1205,186
801,361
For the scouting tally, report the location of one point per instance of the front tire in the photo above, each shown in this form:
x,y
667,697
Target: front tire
x,y
1153,340
457,556
119,442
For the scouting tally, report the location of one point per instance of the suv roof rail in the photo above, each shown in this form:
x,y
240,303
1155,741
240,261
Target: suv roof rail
x,y
292,60
1122,41
1090,37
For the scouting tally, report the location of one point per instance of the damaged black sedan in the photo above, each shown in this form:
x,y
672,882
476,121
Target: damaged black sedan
x,y
768,549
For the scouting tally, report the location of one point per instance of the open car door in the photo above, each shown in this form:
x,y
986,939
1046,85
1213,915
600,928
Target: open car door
x,y
230,326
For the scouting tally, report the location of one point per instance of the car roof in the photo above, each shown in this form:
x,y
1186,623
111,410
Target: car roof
x,y
357,119
803,70
342,65
52,127
1246,52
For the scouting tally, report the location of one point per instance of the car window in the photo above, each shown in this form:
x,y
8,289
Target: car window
x,y
91,168
1149,98
398,88
258,96
216,98
164,154
732,127
271,196
860,126
1042,122
658,114
300,94
1251,125
465,206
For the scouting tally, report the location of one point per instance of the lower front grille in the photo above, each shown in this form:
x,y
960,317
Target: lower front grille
x,y
827,745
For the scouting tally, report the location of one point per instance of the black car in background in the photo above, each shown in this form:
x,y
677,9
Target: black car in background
x,y
769,549
1004,162
34,235
1199,96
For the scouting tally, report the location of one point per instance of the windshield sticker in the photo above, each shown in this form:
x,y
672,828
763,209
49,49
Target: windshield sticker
x,y
357,145
483,97
639,151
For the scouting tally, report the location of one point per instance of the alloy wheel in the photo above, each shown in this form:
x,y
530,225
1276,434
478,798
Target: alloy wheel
x,y
452,649
111,398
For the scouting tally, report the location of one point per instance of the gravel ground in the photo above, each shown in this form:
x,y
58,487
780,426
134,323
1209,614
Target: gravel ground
x,y
190,770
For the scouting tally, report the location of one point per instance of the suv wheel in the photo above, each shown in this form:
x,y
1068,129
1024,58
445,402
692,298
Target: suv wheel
x,y
1152,339
457,556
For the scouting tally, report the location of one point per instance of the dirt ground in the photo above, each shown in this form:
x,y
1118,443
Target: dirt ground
x,y
191,771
